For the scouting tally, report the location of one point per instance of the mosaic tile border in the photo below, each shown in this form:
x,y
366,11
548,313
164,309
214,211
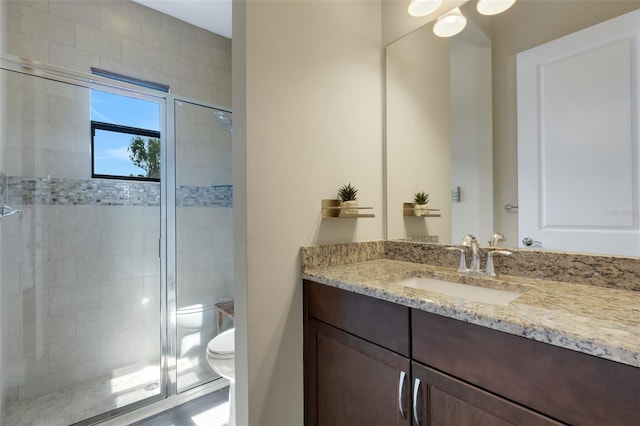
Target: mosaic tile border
x,y
99,192
205,196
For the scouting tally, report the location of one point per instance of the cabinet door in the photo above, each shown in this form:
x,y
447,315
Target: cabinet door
x,y
441,400
570,386
350,381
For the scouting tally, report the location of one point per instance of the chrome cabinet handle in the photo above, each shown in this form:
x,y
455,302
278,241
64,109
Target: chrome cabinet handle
x,y
416,388
400,389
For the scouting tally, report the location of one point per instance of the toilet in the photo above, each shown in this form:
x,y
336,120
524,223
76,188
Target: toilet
x,y
221,359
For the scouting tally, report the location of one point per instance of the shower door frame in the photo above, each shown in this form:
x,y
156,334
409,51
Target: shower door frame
x,y
167,240
171,244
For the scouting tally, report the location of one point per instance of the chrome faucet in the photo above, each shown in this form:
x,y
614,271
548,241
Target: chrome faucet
x,y
471,242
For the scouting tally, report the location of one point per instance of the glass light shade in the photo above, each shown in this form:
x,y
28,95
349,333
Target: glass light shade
x,y
450,24
423,7
493,7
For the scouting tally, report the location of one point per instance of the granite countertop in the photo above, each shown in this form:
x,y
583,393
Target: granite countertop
x,y
598,321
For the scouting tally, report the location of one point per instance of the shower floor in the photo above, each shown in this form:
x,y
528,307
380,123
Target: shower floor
x,y
78,402
75,403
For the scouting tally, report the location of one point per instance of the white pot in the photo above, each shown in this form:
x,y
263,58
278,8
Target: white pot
x,y
420,209
348,208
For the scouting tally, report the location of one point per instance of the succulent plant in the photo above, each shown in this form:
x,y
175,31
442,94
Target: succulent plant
x,y
421,197
348,193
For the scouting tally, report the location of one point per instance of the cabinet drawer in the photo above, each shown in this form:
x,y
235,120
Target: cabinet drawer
x,y
378,321
570,386
447,401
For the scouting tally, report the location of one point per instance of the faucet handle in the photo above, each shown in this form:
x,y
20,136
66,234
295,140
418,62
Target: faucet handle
x,y
462,266
495,239
469,241
491,270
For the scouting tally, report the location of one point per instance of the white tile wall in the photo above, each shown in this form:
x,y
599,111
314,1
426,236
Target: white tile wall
x,y
205,248
124,37
48,129
203,152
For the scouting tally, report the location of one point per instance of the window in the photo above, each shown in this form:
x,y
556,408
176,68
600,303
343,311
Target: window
x,y
124,152
125,134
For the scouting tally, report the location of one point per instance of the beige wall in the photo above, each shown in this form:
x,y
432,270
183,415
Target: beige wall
x,y
418,151
308,119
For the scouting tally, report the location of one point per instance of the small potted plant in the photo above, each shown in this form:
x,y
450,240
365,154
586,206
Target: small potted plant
x,y
348,196
421,199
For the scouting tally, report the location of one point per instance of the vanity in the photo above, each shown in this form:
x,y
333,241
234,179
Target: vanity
x,y
380,352
389,336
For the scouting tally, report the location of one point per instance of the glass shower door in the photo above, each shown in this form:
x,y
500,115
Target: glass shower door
x,y
81,277
204,235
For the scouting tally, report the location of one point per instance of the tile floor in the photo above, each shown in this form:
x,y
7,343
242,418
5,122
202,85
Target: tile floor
x,y
208,410
79,402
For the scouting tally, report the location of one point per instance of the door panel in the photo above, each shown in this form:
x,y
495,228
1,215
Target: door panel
x,y
353,382
577,140
442,400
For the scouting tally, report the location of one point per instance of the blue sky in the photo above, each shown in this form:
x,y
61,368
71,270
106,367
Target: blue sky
x,y
111,155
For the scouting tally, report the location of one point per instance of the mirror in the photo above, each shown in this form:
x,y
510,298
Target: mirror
x,y
435,133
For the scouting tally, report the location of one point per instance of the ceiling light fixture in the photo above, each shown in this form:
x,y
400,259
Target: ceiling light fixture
x,y
423,7
450,23
493,7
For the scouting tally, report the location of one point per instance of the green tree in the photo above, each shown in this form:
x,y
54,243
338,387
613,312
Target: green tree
x,y
145,153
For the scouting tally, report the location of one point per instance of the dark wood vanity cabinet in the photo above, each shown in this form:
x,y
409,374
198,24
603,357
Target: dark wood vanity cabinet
x,y
353,382
357,367
371,362
572,387
442,400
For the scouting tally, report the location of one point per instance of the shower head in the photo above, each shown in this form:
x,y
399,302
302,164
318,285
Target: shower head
x,y
224,118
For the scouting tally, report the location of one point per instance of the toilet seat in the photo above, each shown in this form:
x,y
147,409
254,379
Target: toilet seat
x,y
221,359
222,346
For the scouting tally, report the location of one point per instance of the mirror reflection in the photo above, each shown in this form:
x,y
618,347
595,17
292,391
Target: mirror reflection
x,y
452,121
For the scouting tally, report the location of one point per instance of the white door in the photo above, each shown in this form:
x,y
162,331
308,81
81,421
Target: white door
x,y
578,140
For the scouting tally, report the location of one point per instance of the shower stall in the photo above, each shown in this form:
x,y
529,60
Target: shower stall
x,y
109,281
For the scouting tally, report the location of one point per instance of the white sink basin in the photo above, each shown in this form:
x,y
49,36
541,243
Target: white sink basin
x,y
465,291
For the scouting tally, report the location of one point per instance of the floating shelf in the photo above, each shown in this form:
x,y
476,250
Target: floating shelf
x,y
409,210
331,208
